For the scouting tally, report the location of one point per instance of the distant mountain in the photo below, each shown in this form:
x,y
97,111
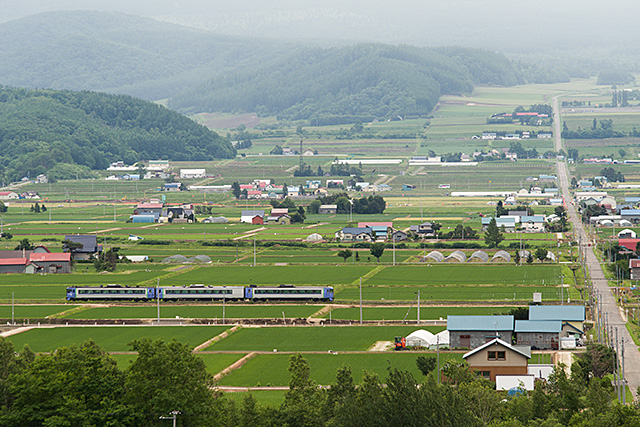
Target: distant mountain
x,y
62,133
200,72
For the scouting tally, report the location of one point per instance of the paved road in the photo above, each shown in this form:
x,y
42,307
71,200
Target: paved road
x,y
632,355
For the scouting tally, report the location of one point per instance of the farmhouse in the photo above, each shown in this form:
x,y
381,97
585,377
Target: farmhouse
x,y
90,246
533,224
252,217
508,222
355,234
39,260
280,219
425,229
498,357
398,236
473,331
328,209
193,173
173,186
539,334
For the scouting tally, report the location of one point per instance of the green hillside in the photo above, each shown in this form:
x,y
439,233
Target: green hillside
x,y
55,131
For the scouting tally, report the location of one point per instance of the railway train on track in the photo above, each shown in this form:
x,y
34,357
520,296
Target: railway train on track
x,y
200,293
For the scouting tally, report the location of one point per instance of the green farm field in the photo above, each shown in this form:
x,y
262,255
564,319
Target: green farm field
x,y
398,313
214,362
168,311
31,311
337,338
271,369
111,338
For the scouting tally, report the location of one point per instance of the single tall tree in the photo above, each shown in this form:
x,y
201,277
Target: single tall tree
x,y
345,253
377,249
493,236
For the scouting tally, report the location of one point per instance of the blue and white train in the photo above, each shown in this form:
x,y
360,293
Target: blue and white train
x,y
199,292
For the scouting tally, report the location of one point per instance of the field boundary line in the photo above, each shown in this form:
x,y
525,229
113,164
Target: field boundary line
x,y
235,365
69,311
369,275
17,331
217,338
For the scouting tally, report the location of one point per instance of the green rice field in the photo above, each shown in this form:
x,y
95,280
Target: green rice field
x,y
271,369
398,313
337,338
195,312
111,338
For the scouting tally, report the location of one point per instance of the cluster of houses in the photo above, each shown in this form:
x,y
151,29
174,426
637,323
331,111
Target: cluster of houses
x,y
12,195
381,232
521,135
155,169
41,260
624,215
156,211
500,346
266,189
520,221
38,260
277,216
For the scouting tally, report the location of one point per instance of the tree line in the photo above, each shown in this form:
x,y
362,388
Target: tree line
x,y
83,386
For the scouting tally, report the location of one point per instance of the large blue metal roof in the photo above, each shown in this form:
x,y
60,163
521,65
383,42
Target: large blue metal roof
x,y
480,323
551,326
565,313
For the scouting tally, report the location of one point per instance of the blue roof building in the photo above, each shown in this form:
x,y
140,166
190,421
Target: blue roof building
x,y
557,312
480,323
542,326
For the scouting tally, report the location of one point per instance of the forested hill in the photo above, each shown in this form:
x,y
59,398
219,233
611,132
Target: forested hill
x,y
47,131
363,80
202,72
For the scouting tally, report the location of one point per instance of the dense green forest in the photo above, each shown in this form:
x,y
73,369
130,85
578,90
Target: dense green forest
x,y
198,71
83,386
55,131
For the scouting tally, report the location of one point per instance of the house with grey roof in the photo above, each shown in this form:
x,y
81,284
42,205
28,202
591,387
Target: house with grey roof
x,y
355,234
89,248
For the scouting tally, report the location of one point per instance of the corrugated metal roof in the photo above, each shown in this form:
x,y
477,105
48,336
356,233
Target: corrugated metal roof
x,y
356,230
50,257
557,312
497,341
13,261
88,243
480,323
550,326
253,213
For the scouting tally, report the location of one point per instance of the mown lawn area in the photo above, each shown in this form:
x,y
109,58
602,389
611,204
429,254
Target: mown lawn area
x,y
398,313
452,293
267,397
31,311
337,338
272,275
271,369
467,274
196,312
111,338
214,362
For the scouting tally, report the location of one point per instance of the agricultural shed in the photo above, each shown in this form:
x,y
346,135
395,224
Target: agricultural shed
x,y
524,254
433,256
420,338
456,256
627,234
479,256
175,259
572,317
606,223
199,259
501,256
315,237
625,223
539,334
215,220
143,218
137,258
634,268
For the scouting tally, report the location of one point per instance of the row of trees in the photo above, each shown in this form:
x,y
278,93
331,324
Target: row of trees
x,y
78,386
364,205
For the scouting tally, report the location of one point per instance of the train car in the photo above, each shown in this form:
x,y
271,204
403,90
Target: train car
x,y
201,292
110,293
289,292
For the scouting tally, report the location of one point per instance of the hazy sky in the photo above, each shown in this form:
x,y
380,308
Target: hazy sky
x,y
491,24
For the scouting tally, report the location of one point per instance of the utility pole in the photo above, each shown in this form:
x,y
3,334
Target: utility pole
x,y
624,380
562,289
254,250
617,376
438,356
394,247
114,213
224,305
158,297
173,417
12,309
418,307
361,301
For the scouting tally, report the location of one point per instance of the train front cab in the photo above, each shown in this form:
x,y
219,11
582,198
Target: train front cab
x,y
328,294
71,293
248,293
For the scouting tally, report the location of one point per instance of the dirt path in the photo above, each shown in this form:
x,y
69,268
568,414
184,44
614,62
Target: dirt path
x,y
16,331
381,346
216,338
237,365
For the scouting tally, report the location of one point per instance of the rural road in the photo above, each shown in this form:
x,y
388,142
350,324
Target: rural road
x,y
608,300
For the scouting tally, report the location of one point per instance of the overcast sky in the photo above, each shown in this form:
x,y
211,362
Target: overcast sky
x,y
491,24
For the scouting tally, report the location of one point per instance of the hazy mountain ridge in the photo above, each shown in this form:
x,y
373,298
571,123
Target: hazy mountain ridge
x,y
202,72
